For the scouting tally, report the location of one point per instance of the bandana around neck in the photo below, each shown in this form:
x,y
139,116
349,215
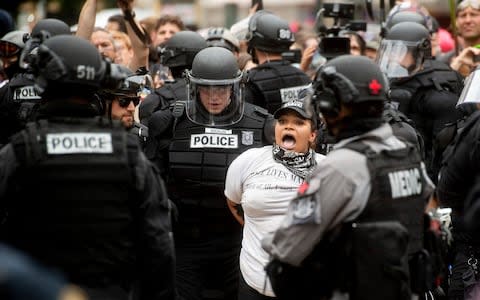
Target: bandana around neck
x,y
300,164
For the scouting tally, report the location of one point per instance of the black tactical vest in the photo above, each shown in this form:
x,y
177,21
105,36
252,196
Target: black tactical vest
x,y
435,76
24,94
403,127
399,190
199,156
278,82
162,98
72,202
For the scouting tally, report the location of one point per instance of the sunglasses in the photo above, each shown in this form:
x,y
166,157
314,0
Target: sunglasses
x,y
475,4
8,49
125,101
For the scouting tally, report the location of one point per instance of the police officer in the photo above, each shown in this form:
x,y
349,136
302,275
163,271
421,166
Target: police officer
x,y
361,211
18,98
211,128
77,192
120,103
425,90
274,81
460,168
11,45
177,54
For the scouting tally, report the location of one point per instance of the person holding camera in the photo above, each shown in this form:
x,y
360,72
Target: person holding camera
x,y
468,31
77,193
274,80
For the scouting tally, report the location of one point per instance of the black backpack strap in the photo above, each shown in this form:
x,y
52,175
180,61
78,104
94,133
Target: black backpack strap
x,y
358,147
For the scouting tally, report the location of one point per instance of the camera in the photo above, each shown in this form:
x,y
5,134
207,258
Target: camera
x,y
332,44
293,56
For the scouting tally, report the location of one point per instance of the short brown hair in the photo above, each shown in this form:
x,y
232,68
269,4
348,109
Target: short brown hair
x,y
170,19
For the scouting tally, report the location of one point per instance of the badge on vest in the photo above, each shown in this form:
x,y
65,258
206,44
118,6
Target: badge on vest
x,y
247,138
76,143
291,94
26,93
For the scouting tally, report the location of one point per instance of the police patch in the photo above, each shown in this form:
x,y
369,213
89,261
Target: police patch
x,y
26,93
211,140
75,143
247,138
305,210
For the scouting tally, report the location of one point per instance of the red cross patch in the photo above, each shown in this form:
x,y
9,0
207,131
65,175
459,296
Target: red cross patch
x,y
374,87
303,188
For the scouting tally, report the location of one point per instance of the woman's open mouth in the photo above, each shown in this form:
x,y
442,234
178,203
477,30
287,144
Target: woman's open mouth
x,y
288,142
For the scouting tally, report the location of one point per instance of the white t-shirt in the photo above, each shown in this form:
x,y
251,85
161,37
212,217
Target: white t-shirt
x,y
264,188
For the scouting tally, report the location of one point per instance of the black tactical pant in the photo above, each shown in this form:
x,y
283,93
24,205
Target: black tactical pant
x,y
207,258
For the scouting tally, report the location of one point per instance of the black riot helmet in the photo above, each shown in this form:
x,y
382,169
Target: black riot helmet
x,y
215,88
406,16
348,79
269,33
51,26
180,49
43,30
395,15
404,49
67,65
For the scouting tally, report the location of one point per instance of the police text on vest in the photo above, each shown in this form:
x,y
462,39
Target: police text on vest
x,y
405,183
85,142
225,141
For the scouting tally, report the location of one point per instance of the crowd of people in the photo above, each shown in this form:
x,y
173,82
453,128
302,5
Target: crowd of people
x,y
147,160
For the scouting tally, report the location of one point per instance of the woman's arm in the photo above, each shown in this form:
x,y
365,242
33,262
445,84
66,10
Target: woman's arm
x,y
236,210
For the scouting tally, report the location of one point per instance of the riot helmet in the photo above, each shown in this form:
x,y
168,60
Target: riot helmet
x,y
268,32
215,88
348,79
410,7
11,45
66,65
406,16
180,49
43,30
222,37
403,50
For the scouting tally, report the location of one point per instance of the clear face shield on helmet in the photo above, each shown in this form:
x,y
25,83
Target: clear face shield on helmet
x,y
398,59
214,102
471,90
